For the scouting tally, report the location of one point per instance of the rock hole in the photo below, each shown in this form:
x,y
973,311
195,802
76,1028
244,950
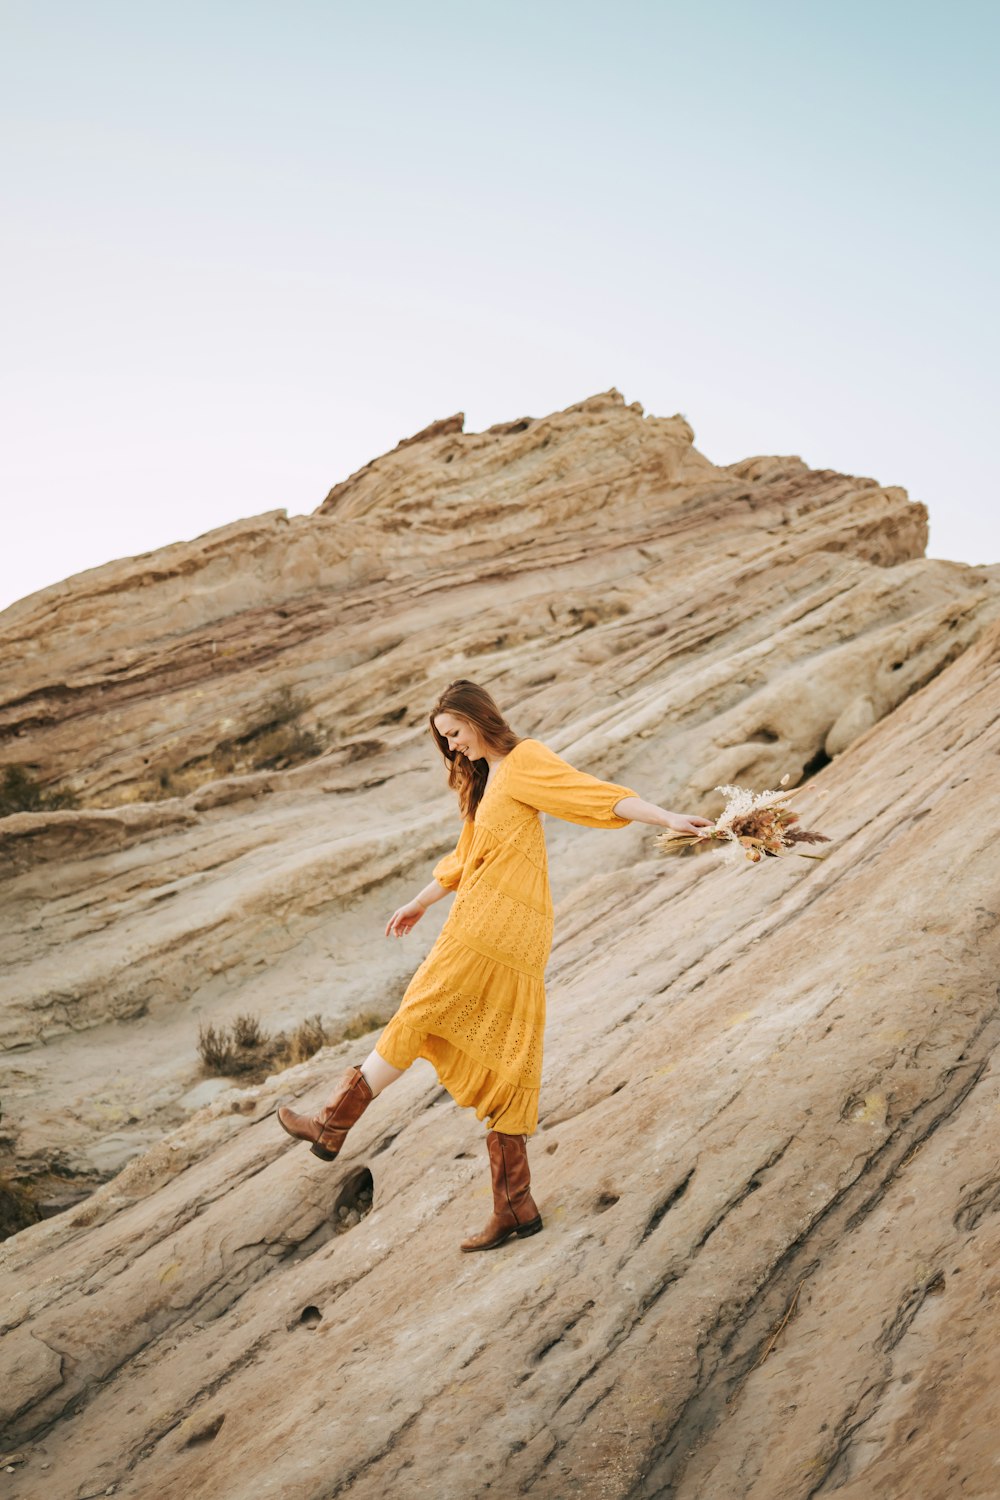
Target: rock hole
x,y
310,1316
605,1201
567,1328
448,457
659,1213
618,1088
819,760
207,1432
553,1146
763,736
463,1156
354,1200
896,666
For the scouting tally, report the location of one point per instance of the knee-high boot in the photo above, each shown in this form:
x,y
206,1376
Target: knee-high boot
x,y
514,1209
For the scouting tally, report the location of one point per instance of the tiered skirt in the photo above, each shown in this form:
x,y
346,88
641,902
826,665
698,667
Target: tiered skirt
x,y
480,1023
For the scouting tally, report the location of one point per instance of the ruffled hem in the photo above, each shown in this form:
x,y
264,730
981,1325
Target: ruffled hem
x,y
488,1011
513,1110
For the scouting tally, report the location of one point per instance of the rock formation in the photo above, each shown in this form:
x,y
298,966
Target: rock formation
x,y
764,1158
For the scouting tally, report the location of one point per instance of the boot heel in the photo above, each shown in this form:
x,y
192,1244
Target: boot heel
x,y
511,1195
323,1153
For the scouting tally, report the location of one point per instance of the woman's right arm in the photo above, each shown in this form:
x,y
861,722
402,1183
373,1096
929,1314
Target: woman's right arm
x,y
405,917
447,874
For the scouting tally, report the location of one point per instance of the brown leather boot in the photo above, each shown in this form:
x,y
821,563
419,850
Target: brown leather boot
x,y
514,1209
328,1129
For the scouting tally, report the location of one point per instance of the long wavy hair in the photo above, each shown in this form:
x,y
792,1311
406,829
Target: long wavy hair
x,y
467,700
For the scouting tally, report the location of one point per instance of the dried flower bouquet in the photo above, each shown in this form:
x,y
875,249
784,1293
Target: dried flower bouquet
x,y
761,822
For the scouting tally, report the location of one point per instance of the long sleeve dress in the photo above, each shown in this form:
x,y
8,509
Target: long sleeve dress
x,y
475,1007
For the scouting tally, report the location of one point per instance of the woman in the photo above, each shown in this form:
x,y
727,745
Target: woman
x,y
475,1007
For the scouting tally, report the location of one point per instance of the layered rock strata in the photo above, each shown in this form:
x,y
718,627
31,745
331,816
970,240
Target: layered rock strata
x,y
764,1152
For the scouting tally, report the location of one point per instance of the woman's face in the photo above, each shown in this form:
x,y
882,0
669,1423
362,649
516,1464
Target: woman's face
x,y
460,736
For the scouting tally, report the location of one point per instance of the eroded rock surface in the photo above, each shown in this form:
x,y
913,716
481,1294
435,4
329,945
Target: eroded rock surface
x,y
765,1157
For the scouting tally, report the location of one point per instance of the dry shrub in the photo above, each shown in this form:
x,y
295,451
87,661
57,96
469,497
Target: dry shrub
x,y
216,1050
239,1048
247,1031
307,1038
361,1024
245,1049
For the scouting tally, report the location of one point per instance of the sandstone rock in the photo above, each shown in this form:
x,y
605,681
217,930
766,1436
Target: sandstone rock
x,y
765,1154
857,716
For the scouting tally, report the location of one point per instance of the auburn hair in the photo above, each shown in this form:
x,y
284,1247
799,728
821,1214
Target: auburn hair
x,y
467,700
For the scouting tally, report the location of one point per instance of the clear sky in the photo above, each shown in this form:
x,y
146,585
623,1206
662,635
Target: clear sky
x,y
249,245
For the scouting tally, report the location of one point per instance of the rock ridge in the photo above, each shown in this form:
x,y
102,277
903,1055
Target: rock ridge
x,y
764,1156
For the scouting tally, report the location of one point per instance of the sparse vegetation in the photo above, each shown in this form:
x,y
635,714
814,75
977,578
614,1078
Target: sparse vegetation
x,y
247,1031
245,1050
272,739
20,792
217,1050
18,1207
307,1038
361,1024
276,738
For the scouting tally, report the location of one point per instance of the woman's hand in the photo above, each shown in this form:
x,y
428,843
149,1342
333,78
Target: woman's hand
x,y
638,810
403,918
681,823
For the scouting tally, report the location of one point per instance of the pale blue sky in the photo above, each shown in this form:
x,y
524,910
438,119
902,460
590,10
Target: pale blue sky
x,y
249,246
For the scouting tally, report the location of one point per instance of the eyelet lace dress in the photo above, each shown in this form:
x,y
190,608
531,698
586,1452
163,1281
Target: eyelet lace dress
x,y
475,1007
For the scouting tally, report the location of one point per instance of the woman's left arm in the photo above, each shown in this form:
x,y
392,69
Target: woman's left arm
x,y
540,778
637,810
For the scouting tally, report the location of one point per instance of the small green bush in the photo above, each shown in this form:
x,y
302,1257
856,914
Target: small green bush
x,y
18,1208
274,739
20,792
271,739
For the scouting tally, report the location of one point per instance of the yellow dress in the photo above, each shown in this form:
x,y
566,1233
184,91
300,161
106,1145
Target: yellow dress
x,y
475,1007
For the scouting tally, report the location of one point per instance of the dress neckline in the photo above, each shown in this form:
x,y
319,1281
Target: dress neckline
x,y
494,776
500,764
494,773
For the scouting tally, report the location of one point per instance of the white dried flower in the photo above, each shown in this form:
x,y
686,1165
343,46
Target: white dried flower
x,y
742,801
